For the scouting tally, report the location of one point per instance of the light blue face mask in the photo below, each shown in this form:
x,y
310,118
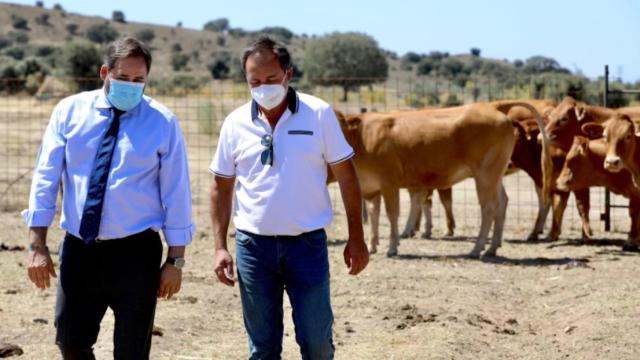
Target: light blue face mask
x,y
125,95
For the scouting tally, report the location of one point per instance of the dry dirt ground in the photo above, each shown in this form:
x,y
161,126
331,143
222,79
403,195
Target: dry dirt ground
x,y
534,301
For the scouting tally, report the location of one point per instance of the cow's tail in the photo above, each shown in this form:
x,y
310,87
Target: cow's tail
x,y
546,162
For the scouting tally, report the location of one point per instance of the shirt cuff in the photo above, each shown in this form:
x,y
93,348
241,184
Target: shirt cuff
x,y
38,218
179,237
217,173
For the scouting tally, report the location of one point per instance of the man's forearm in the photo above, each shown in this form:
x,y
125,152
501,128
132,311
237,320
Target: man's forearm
x,y
220,213
38,236
176,251
352,199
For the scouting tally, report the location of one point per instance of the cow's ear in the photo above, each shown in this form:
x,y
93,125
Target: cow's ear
x,y
637,129
581,112
592,131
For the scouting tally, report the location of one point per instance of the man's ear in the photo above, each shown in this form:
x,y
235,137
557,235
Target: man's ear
x,y
593,131
104,72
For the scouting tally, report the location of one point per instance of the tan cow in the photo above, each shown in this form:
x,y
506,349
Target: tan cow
x,y
435,149
583,168
621,136
526,156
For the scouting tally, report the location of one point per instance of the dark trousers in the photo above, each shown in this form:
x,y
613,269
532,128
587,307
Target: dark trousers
x,y
121,274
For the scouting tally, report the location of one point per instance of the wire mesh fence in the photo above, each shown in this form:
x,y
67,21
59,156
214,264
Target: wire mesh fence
x,y
201,111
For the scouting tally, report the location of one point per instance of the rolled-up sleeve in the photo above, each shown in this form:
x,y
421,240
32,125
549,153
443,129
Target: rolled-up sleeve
x,y
223,163
47,173
175,189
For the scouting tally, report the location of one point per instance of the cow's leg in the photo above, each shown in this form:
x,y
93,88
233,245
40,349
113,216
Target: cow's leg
x,y
392,206
365,215
413,220
582,203
427,205
498,225
488,198
543,211
373,208
559,205
633,241
446,198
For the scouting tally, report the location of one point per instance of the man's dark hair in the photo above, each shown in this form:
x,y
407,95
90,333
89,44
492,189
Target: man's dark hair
x,y
266,44
127,47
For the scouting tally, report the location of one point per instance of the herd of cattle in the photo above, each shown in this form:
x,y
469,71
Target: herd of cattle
x,y
564,147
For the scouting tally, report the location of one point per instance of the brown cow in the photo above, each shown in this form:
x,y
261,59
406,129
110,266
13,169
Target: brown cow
x,y
433,148
583,168
563,125
526,156
621,135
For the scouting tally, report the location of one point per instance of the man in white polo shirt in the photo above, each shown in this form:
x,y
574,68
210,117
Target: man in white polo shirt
x,y
273,154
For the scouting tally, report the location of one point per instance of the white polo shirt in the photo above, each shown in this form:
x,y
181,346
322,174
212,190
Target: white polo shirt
x,y
290,197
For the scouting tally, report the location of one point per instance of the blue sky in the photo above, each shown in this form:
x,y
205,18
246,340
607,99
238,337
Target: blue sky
x,y
581,35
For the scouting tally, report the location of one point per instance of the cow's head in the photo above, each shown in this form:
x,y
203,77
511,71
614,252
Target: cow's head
x,y
577,168
351,126
564,122
619,134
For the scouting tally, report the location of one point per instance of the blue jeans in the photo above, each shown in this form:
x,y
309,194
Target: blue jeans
x,y
269,265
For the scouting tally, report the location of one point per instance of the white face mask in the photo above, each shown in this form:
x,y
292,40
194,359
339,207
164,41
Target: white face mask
x,y
269,95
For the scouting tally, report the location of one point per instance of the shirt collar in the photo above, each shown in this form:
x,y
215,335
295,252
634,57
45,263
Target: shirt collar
x,y
292,103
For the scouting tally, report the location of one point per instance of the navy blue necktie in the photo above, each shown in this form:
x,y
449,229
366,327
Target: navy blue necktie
x,y
92,213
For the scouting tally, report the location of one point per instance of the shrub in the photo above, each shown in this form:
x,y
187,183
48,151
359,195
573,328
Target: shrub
x,y
18,37
101,33
145,35
71,28
19,22
179,61
16,52
43,19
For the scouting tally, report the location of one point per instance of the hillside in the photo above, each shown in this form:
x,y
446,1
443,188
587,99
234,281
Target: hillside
x,y
197,44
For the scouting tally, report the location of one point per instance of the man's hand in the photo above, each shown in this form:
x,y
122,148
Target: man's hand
x,y
41,267
170,281
224,267
356,255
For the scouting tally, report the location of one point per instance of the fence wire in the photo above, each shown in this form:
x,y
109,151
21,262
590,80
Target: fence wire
x,y
200,111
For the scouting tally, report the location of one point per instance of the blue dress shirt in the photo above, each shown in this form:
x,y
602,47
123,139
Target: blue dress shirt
x,y
148,184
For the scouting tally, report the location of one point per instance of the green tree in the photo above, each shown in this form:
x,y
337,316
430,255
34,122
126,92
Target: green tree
x,y
217,25
102,33
145,35
118,16
542,64
81,62
345,59
278,32
425,66
475,52
58,7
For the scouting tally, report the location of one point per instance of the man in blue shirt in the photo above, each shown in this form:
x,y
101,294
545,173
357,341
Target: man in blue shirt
x,y
121,159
